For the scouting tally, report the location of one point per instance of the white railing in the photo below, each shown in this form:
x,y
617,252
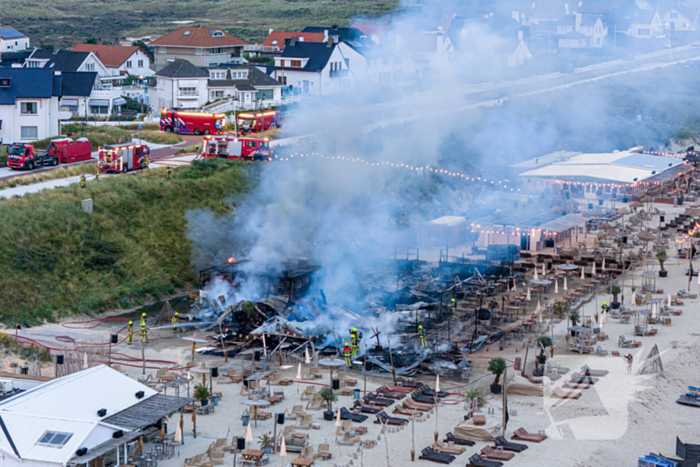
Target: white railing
x,y
188,94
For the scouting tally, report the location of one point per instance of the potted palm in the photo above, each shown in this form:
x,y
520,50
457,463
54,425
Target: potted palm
x,y
265,442
574,318
497,366
202,394
328,396
616,291
543,342
662,257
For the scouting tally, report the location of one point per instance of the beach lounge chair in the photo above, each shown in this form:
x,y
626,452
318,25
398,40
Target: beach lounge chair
x,y
477,461
306,456
316,403
384,392
429,454
384,419
305,422
366,408
586,370
412,404
521,434
324,452
345,414
558,393
426,390
450,438
489,452
572,385
407,383
216,458
313,373
418,396
401,410
308,392
296,411
343,377
444,448
375,400
503,443
580,379
348,440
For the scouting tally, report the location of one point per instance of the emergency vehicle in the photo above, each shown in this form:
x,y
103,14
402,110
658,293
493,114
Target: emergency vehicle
x,y
66,151
191,123
258,121
122,157
231,147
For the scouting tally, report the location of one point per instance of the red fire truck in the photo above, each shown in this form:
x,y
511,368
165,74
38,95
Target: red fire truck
x,y
122,157
259,121
66,151
230,147
189,123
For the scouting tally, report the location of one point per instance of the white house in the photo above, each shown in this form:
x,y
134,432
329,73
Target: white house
x,y
66,60
181,85
202,46
593,28
120,60
73,420
681,19
11,40
29,104
314,68
251,87
634,21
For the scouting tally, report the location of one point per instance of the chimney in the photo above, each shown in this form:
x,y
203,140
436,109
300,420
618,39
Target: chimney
x,y
566,8
270,31
293,41
520,35
331,41
325,35
335,26
516,16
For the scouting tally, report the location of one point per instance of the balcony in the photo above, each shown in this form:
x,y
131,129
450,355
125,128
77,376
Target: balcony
x,y
181,93
339,73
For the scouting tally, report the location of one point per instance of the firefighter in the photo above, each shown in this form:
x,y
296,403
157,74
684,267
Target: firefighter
x,y
353,340
82,181
97,173
168,173
421,334
347,353
130,330
145,162
604,307
358,338
143,319
454,308
144,333
175,321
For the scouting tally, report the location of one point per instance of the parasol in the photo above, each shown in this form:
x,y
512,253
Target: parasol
x,y
556,285
565,285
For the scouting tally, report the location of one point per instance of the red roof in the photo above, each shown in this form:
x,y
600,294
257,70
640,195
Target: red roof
x,y
280,37
198,36
109,55
372,29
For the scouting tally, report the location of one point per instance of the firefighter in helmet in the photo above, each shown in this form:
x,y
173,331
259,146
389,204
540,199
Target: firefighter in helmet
x,y
130,330
97,173
421,334
175,321
145,161
82,181
353,340
169,173
358,340
347,353
144,333
143,319
454,308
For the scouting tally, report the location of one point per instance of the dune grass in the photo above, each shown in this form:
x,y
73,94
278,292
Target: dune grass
x,y
46,175
56,260
159,137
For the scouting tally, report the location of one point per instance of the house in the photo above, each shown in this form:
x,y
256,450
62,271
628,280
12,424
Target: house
x,y
572,40
543,10
681,19
66,60
29,104
566,24
251,87
276,39
337,33
433,49
580,30
592,27
11,40
634,21
181,85
120,60
80,418
83,93
374,31
313,68
202,46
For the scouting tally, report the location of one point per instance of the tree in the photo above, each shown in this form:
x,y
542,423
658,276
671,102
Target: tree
x,y
328,396
265,440
615,290
560,309
201,393
662,257
146,49
574,317
497,366
91,40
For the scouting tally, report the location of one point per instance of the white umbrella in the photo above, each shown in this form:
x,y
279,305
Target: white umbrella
x,y
603,265
527,296
508,286
248,434
307,360
544,271
556,285
536,276
698,279
337,418
85,360
178,433
565,285
653,311
437,383
583,275
515,283
179,359
593,269
283,449
299,371
669,299
539,312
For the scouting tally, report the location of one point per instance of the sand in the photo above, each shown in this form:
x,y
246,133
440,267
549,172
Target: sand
x,y
614,422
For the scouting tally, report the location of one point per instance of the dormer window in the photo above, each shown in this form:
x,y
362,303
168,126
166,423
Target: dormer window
x,y
216,33
187,33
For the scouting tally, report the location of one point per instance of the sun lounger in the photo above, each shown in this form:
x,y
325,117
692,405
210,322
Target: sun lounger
x,y
366,408
375,400
572,385
430,454
503,443
345,414
408,383
420,397
390,394
558,393
521,434
580,379
444,448
426,390
489,452
412,404
384,419
477,461
586,370
450,438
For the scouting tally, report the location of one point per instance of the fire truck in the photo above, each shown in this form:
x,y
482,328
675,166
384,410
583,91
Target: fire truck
x,y
66,151
189,123
259,121
60,151
122,157
230,147
22,156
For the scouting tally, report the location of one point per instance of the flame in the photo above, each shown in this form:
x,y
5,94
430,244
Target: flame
x,y
231,259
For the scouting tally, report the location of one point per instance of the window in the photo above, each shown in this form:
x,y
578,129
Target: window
x,y
218,50
29,132
274,42
90,67
188,92
140,63
28,108
250,144
282,80
187,33
674,15
128,63
55,439
216,33
217,94
199,51
296,63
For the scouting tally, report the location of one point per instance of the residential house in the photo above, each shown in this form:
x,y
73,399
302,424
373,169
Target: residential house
x,y
337,33
11,40
572,40
433,49
250,87
566,24
580,30
202,46
374,31
81,419
120,60
29,104
181,85
83,93
593,28
680,19
634,21
276,39
543,10
313,68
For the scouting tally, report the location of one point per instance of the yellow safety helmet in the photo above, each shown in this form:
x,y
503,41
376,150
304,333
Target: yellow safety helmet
x,y
177,314
420,327
143,325
143,315
453,300
130,322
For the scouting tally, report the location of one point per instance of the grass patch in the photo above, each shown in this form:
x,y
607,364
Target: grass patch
x,y
38,177
187,150
98,136
158,137
144,127
60,260
26,352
